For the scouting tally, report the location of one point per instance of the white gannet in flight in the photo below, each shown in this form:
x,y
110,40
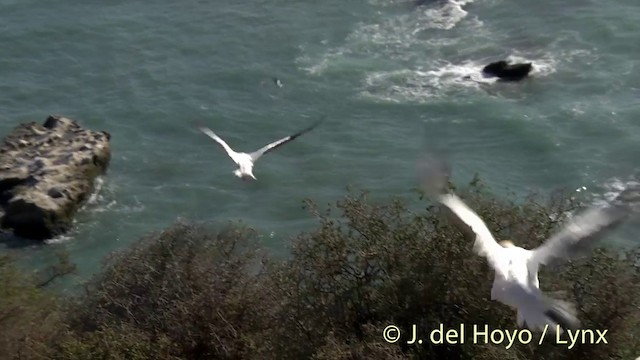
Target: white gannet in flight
x,y
246,161
516,269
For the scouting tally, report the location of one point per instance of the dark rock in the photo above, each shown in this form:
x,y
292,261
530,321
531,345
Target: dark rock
x,y
51,122
54,193
44,175
508,72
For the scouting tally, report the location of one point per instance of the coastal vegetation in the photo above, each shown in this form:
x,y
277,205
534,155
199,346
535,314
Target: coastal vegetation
x,y
203,291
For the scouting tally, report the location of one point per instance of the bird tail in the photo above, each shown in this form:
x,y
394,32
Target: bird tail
x,y
539,312
562,313
557,315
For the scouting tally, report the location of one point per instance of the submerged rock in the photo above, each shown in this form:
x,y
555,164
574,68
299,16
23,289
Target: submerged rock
x,y
46,173
508,72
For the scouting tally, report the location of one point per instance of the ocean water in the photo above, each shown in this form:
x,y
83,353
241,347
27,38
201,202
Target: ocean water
x,y
388,77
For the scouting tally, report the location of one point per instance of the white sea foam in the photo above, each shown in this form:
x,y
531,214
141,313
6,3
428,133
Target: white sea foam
x,y
100,199
445,16
612,188
420,85
542,66
103,199
389,37
390,44
97,186
61,238
318,67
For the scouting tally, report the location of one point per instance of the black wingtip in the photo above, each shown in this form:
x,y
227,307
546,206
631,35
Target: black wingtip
x,y
565,322
310,127
197,125
318,122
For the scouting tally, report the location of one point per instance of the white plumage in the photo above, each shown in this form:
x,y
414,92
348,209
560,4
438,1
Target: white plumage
x,y
516,281
246,161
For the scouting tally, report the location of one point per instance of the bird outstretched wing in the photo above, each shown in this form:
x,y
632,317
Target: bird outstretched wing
x,y
484,244
433,172
232,154
272,146
584,230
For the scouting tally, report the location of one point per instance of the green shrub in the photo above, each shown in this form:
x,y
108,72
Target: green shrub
x,y
114,342
193,292
196,289
379,264
29,315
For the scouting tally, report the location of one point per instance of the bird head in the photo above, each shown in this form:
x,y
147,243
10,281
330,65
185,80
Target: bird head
x,y
507,243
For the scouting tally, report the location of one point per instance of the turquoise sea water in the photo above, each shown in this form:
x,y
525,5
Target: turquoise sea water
x,y
388,77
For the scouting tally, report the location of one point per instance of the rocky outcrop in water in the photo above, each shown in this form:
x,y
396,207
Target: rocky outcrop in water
x,y
46,173
508,72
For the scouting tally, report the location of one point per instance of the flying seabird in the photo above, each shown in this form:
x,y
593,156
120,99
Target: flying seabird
x,y
246,161
277,82
516,269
